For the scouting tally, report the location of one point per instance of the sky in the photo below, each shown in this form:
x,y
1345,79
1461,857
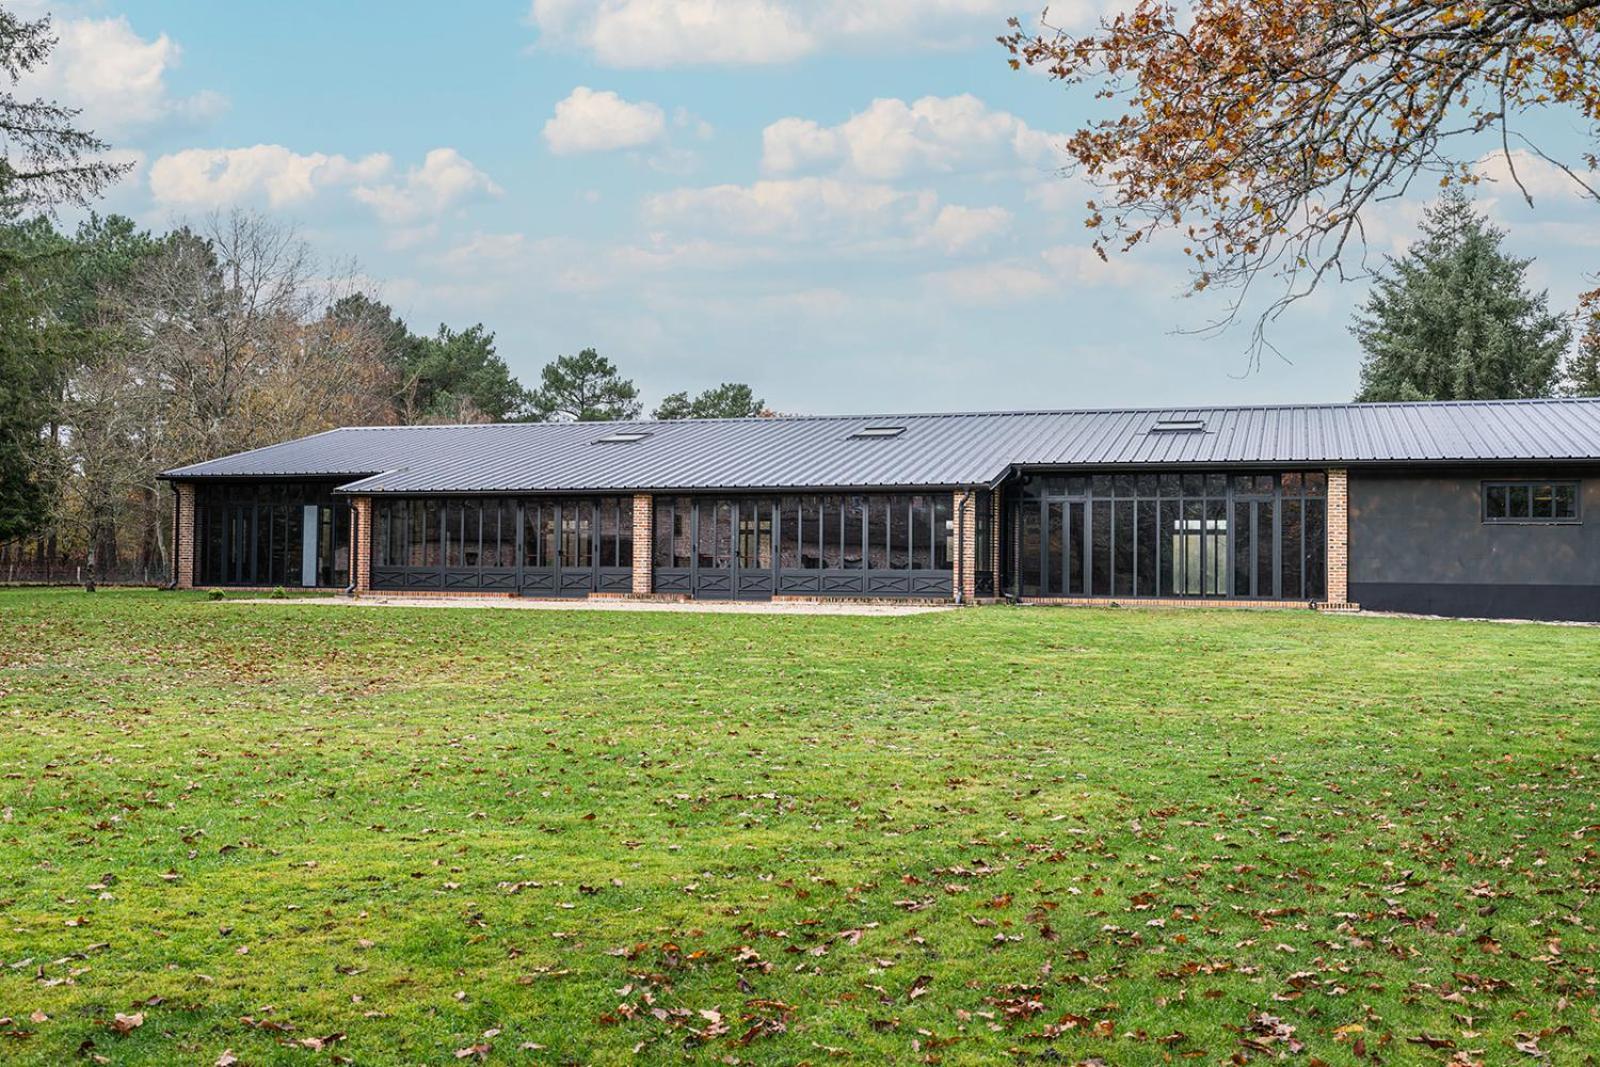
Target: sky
x,y
853,207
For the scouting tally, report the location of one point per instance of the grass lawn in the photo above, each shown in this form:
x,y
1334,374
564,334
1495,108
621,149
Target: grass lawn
x,y
300,833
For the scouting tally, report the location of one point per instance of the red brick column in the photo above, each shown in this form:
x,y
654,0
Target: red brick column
x,y
1338,539
964,509
361,544
643,544
183,551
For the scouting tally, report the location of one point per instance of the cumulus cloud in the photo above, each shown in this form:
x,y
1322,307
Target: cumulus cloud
x,y
669,33
1543,180
1057,270
601,121
116,77
445,179
892,139
212,177
800,208
957,228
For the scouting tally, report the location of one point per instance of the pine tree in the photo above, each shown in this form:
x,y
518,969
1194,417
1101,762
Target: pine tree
x,y
1453,320
583,388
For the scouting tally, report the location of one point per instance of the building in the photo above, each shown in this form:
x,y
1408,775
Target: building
x,y
1448,508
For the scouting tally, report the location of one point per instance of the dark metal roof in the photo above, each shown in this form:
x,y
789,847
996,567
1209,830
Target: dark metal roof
x,y
935,450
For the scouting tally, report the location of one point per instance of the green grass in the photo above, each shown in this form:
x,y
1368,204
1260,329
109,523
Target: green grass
x,y
995,834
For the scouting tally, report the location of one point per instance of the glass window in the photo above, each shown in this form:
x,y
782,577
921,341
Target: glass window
x,y
1031,548
899,520
1530,502
624,532
943,533
921,534
608,532
1100,556
853,533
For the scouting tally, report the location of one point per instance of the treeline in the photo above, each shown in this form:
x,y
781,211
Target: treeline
x,y
126,353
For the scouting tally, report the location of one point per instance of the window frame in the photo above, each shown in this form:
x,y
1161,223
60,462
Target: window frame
x,y
1531,487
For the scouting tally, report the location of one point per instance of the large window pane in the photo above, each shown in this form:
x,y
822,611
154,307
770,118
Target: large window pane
x,y
1316,536
943,534
1293,550
1123,548
1100,557
853,533
1149,539
921,534
608,533
1053,570
1076,531
899,522
1031,547
1243,546
1266,539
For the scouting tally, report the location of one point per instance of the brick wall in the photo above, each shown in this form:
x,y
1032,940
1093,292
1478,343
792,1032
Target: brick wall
x,y
1338,538
361,544
643,546
964,509
183,551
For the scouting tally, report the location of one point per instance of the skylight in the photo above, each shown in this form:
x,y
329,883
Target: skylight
x,y
879,431
622,437
1178,426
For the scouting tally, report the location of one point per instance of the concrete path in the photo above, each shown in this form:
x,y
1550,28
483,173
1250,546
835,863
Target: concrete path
x,y
714,607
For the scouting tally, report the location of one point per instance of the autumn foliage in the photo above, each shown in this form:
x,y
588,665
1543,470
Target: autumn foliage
x,y
1259,130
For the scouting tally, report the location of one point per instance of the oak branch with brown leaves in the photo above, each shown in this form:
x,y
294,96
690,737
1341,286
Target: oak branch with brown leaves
x,y
1260,130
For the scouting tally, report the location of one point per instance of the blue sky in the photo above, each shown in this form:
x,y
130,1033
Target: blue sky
x,y
852,207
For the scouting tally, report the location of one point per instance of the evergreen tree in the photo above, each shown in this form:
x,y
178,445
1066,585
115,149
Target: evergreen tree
x,y
1583,370
583,388
730,400
1452,319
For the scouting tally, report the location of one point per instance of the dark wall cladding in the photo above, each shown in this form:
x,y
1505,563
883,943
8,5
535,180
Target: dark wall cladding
x,y
1440,543
868,544
561,546
271,533
1168,534
1418,528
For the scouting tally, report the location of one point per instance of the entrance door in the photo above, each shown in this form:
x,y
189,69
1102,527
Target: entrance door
x,y
715,573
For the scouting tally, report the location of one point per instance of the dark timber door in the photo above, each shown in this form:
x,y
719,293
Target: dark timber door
x,y
557,548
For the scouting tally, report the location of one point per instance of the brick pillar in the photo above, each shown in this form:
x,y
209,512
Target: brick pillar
x,y
361,544
183,551
643,544
964,508
1338,539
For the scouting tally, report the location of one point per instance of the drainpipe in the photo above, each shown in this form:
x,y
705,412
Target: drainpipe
x,y
355,533
959,573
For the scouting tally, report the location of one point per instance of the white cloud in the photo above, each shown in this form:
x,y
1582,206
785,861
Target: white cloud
x,y
958,228
1544,181
668,33
445,179
1058,270
118,78
591,121
891,139
212,177
800,208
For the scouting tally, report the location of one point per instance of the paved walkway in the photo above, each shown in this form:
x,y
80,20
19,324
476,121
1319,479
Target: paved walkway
x,y
722,607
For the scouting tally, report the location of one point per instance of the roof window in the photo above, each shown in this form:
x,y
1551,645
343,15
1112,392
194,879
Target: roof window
x,y
1178,426
621,437
879,431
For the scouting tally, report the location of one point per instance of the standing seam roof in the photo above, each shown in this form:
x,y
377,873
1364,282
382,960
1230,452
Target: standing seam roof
x,y
935,450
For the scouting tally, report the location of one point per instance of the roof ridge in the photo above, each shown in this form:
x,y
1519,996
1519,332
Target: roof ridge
x,y
999,413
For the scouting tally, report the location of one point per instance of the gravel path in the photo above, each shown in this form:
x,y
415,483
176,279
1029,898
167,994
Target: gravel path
x,y
724,607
